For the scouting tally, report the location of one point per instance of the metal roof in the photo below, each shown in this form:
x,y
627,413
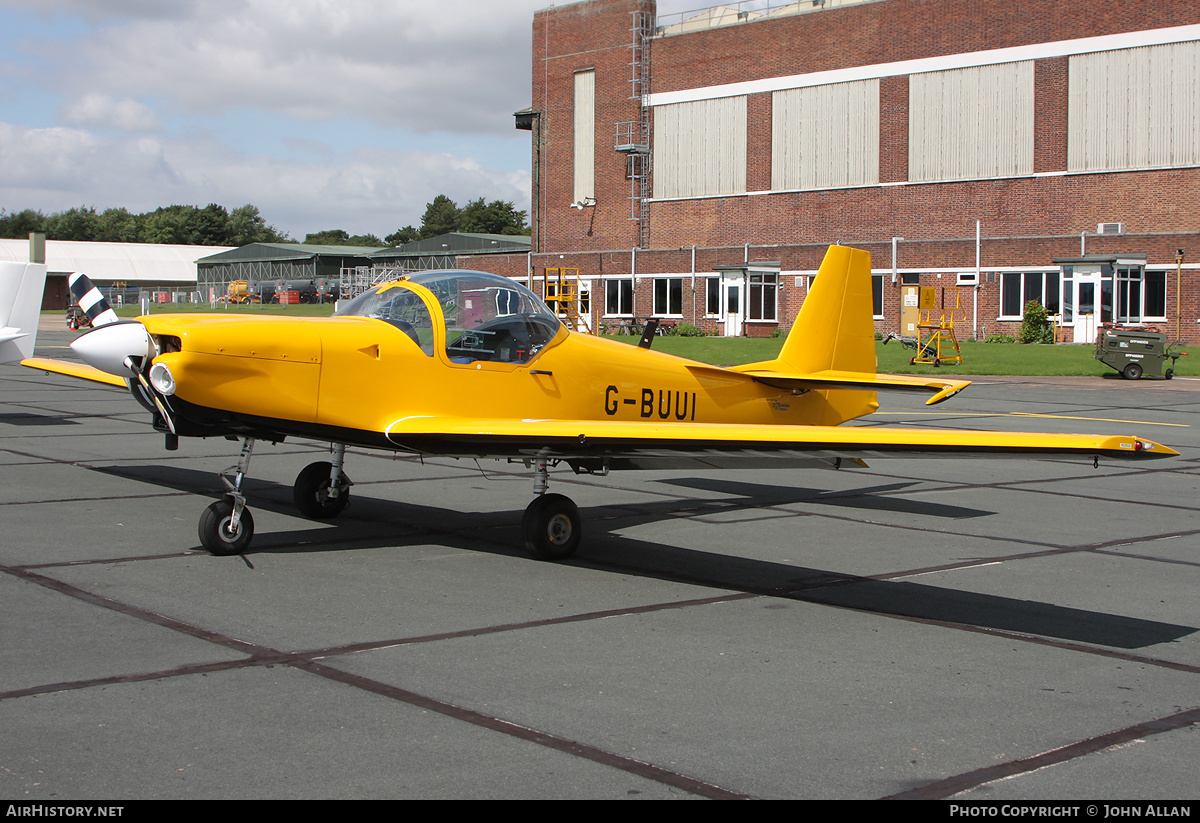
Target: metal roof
x,y
459,243
106,262
287,251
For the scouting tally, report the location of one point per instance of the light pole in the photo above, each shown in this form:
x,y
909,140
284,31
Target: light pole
x,y
1178,283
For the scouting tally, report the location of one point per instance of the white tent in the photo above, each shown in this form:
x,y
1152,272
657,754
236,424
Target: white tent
x,y
132,263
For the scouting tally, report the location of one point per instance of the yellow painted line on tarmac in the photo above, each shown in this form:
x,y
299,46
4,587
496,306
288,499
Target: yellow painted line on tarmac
x,y
1033,414
1101,419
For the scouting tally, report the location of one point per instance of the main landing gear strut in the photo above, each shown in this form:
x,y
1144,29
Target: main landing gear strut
x,y
321,492
551,526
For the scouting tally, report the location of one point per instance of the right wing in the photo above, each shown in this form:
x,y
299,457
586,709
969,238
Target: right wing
x,y
754,445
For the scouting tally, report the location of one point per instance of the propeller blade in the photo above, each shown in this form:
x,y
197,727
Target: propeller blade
x,y
91,300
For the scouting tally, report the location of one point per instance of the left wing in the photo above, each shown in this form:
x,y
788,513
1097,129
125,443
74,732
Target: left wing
x,y
755,444
80,370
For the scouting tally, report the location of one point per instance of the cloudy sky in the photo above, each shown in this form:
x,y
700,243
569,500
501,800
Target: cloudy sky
x,y
348,114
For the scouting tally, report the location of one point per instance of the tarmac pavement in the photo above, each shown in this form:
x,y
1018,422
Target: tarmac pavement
x,y
968,629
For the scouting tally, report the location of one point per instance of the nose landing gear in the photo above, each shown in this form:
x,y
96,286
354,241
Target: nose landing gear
x,y
226,527
321,492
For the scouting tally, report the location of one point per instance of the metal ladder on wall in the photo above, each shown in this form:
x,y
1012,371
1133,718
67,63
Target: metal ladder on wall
x,y
633,138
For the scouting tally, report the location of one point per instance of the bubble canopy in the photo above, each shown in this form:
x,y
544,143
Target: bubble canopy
x,y
483,316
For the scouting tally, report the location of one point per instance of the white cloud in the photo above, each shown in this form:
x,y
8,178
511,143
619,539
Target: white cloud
x,y
372,191
323,113
104,112
457,66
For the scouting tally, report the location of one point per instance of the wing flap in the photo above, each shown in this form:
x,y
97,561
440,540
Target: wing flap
x,y
603,438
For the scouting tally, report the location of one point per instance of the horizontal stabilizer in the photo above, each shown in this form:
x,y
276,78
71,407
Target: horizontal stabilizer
x,y
831,379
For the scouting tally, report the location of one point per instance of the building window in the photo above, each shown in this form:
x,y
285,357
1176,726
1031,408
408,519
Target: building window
x,y
668,296
877,295
508,302
700,148
1140,294
712,296
1018,288
825,136
971,123
1154,295
761,304
585,135
1134,108
618,297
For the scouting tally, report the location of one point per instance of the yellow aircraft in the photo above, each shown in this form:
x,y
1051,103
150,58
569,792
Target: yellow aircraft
x,y
469,364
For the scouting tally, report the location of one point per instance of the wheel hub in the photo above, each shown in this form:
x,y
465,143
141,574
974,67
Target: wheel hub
x,y
559,529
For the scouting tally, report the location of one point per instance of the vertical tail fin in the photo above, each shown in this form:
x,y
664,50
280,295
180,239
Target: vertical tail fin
x,y
831,347
834,330
21,288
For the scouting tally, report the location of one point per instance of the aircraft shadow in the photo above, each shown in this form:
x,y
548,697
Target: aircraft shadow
x,y
377,523
34,419
871,498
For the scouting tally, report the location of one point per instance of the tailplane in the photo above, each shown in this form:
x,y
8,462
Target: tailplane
x,y
21,288
832,343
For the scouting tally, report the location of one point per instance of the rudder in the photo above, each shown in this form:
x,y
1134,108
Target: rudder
x,y
21,288
835,329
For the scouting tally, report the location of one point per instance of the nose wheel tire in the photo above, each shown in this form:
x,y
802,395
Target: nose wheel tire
x,y
216,529
551,527
311,493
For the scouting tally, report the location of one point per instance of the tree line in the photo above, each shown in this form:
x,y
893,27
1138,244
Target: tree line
x,y
213,225
442,216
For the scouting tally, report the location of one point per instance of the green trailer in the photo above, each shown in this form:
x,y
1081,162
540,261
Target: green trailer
x,y
1136,353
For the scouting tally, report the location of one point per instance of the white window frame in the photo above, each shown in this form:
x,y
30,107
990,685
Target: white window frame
x,y
1026,295
659,285
711,284
632,291
765,282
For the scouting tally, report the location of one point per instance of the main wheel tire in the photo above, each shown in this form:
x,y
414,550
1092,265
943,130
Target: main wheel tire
x,y
1132,372
551,527
215,533
311,493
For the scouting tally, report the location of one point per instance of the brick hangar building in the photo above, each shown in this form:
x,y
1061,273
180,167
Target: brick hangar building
x,y
694,168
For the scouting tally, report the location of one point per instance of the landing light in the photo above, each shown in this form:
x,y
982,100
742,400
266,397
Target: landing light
x,y
162,379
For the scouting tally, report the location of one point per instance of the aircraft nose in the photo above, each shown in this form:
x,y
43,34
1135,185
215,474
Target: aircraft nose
x,y
108,347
